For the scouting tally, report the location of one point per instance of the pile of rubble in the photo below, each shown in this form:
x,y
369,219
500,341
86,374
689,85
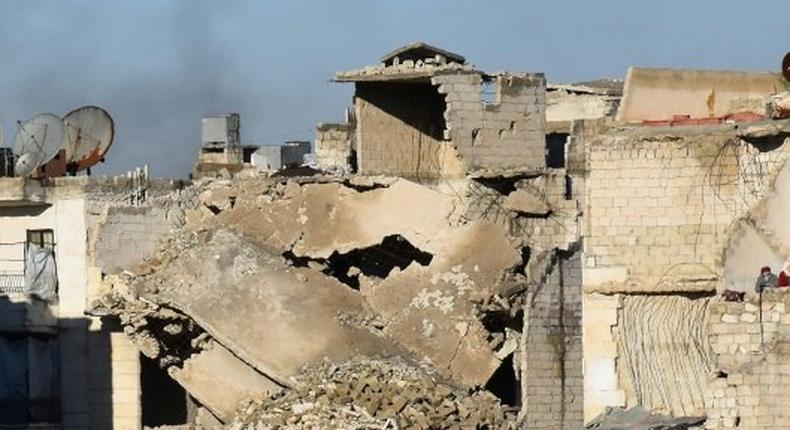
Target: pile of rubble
x,y
367,393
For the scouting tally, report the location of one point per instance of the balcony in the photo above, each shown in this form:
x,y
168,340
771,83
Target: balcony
x,y
12,283
34,257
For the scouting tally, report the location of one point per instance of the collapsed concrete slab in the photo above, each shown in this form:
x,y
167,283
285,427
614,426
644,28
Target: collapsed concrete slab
x,y
219,380
283,274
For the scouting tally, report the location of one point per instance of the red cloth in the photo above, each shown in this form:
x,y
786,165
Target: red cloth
x,y
784,279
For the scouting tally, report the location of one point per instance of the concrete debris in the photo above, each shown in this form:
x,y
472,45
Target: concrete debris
x,y
238,297
779,106
639,418
465,250
373,393
525,202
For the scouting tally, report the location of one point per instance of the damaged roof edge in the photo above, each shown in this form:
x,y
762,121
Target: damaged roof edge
x,y
384,74
423,48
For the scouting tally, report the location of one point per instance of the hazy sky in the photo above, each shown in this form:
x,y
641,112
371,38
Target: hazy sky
x,y
159,66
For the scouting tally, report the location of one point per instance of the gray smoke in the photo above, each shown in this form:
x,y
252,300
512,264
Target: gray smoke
x,y
157,70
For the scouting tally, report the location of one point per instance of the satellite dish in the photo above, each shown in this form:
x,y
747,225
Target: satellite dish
x,y
24,165
89,133
786,66
37,141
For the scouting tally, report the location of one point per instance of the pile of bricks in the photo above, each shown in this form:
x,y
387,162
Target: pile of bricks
x,y
376,394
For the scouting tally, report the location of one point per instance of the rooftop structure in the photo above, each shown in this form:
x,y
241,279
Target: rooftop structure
x,y
425,114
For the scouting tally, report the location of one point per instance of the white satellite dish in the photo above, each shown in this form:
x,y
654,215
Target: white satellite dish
x,y
24,165
37,141
89,133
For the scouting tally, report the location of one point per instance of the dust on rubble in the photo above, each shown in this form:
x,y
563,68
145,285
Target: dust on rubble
x,y
373,393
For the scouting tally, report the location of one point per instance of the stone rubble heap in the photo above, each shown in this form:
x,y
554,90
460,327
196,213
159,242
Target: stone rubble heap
x,y
366,393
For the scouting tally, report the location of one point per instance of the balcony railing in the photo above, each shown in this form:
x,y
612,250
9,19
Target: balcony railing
x,y
12,283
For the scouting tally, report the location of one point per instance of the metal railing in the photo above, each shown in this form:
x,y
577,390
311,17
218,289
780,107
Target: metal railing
x,y
12,283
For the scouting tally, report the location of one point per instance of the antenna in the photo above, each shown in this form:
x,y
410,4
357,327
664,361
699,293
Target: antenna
x,y
38,140
786,66
90,131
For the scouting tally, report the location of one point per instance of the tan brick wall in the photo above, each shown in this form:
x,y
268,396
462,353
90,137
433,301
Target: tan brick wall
x,y
660,206
552,386
399,132
505,135
752,389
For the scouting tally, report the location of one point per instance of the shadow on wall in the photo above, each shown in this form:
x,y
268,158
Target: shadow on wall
x,y
52,371
419,105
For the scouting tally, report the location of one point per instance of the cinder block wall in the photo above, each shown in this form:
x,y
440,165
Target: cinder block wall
x,y
505,135
552,383
400,132
659,206
751,389
661,211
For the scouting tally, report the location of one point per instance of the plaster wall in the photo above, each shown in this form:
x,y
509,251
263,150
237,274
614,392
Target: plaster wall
x,y
658,94
567,106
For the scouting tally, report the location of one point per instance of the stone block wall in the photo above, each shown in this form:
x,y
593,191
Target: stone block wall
x,y
507,134
114,379
552,382
661,204
751,384
400,130
601,385
558,228
333,147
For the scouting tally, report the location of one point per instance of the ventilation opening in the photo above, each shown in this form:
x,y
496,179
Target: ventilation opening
x,y
504,384
555,150
568,187
164,401
374,261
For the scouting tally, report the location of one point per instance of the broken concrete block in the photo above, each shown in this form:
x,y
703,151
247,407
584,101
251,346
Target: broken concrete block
x,y
220,381
527,202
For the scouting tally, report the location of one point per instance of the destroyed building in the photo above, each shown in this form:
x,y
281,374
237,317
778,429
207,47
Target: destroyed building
x,y
430,256
425,114
481,251
61,368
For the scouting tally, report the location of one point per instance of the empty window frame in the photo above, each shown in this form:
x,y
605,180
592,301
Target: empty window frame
x,y
42,238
